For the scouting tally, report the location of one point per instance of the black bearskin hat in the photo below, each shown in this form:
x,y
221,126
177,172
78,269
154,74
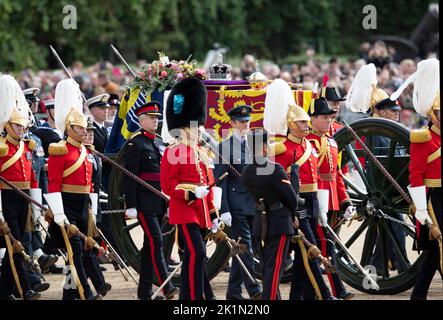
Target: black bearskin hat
x,y
186,103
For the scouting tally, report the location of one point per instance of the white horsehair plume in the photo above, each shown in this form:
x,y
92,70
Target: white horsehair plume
x,y
278,99
7,99
426,85
67,97
359,95
22,105
394,96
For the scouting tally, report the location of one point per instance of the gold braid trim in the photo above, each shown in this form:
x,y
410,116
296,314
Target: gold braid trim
x,y
420,135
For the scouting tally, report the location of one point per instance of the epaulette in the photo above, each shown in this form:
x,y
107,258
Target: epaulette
x,y
277,148
135,134
4,148
420,135
58,148
31,144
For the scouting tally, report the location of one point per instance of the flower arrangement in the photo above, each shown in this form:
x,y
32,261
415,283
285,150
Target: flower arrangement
x,y
162,74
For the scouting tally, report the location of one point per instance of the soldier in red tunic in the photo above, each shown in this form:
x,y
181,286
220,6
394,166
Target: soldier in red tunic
x,y
185,175
70,187
16,167
425,174
329,178
334,98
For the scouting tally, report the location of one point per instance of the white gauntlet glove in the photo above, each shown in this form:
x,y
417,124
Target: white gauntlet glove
x,y
423,216
36,194
216,223
349,213
201,192
418,195
323,204
131,213
226,218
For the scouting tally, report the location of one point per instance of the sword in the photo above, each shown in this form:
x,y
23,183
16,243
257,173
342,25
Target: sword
x,y
348,253
114,253
60,62
169,278
117,53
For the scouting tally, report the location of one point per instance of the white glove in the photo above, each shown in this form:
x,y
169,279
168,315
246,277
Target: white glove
x,y
61,219
36,194
349,213
201,192
423,216
94,202
216,223
418,195
55,203
131,213
323,203
323,219
226,218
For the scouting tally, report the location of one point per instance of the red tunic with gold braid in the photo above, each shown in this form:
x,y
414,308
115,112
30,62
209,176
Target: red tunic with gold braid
x,y
329,175
305,155
335,126
71,171
16,165
425,165
183,168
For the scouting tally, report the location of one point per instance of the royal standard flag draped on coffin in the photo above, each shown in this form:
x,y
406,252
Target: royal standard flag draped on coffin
x,y
219,102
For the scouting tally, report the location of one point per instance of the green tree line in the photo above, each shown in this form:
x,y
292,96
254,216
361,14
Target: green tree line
x,y
140,28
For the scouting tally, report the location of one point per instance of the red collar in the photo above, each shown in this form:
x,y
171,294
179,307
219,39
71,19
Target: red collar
x,y
149,135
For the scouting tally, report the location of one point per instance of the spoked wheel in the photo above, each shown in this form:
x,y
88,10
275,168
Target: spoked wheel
x,y
381,237
129,234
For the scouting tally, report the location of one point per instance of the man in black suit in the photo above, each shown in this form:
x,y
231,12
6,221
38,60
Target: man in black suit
x,y
237,203
98,106
276,218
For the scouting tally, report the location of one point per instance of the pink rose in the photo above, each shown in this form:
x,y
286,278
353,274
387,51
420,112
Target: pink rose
x,y
180,75
142,75
163,74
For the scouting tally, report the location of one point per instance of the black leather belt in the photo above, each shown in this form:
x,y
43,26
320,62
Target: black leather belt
x,y
275,205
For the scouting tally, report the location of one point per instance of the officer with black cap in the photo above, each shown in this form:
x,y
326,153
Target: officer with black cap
x,y
238,205
142,157
99,106
334,99
31,95
114,104
275,220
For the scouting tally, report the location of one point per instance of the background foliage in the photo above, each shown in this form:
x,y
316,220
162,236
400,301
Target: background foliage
x,y
140,28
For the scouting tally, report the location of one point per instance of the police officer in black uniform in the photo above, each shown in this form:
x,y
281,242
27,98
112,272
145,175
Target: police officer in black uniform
x,y
276,215
237,202
142,157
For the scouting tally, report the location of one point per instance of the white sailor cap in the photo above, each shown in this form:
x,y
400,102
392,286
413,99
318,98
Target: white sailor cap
x,y
31,94
98,101
49,103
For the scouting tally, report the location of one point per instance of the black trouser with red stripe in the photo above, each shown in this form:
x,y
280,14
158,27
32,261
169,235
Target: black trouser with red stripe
x,y
431,263
152,261
273,256
15,212
193,271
